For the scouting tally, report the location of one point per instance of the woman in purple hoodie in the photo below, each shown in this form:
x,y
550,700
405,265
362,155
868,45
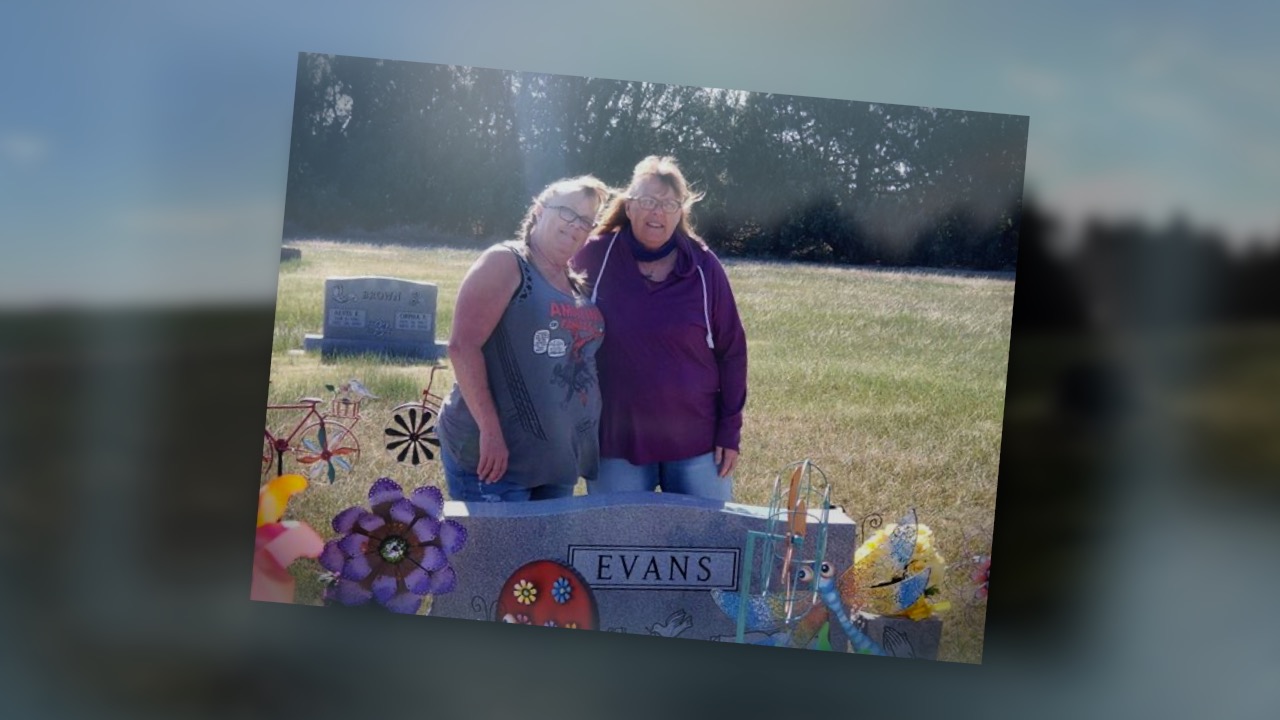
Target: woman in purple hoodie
x,y
673,364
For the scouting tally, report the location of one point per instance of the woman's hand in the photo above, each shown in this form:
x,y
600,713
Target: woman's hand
x,y
726,460
493,456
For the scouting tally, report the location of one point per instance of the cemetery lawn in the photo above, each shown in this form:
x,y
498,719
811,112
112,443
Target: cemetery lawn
x,y
892,382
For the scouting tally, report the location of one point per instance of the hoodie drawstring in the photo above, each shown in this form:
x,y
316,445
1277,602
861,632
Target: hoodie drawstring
x,y
706,314
706,306
603,263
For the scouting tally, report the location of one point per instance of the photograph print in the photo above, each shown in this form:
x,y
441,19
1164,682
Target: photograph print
x,y
586,353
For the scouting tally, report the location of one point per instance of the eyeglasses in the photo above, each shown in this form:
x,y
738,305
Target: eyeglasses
x,y
648,203
573,218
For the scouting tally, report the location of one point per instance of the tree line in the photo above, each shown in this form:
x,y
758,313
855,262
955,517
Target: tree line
x,y
440,152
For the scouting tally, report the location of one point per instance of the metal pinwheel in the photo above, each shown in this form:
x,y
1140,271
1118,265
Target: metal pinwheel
x,y
412,437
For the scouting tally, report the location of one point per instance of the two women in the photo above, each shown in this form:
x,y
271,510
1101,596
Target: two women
x,y
528,417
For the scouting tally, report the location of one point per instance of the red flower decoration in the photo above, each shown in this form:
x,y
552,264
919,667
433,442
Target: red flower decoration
x,y
545,592
982,576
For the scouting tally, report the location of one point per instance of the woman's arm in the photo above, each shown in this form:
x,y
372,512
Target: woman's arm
x,y
482,299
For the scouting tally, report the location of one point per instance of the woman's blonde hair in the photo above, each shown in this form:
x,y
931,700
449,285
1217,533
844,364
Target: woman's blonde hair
x,y
588,185
664,168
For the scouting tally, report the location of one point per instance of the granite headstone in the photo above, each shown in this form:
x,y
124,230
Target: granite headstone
x,y
655,563
386,316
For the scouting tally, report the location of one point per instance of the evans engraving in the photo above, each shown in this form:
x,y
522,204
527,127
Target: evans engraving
x,y
656,568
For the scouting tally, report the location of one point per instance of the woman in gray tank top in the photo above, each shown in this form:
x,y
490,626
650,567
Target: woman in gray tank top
x,y
522,420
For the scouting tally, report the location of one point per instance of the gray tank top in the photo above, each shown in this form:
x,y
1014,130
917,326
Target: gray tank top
x,y
542,373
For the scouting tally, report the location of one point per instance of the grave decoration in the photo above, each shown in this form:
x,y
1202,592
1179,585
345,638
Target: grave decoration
x,y
412,437
890,588
396,553
644,563
322,439
779,603
550,594
278,542
981,576
352,388
896,572
385,316
799,597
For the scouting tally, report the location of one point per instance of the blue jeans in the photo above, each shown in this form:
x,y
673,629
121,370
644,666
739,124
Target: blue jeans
x,y
698,476
466,486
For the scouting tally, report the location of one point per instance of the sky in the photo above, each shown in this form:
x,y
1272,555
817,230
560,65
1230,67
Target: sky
x,y
144,147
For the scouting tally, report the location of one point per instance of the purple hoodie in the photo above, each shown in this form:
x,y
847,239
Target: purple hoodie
x,y
666,394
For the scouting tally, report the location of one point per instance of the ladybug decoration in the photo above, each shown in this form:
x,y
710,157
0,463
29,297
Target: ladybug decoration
x,y
549,594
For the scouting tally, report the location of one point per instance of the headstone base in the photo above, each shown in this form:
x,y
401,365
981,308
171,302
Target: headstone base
x,y
330,348
904,637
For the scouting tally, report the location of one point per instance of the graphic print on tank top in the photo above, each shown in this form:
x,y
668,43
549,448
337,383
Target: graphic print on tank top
x,y
583,324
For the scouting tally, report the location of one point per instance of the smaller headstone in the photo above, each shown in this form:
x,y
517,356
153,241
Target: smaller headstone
x,y
290,253
386,316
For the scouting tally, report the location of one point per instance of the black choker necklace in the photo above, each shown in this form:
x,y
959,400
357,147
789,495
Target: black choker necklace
x,y
644,254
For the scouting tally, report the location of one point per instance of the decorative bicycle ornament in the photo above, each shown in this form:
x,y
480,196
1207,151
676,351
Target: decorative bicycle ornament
x,y
324,444
411,437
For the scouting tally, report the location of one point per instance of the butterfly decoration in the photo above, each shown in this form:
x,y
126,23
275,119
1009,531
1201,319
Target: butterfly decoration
x,y
880,581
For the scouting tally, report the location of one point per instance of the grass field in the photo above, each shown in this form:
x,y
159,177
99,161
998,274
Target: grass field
x,y
892,382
